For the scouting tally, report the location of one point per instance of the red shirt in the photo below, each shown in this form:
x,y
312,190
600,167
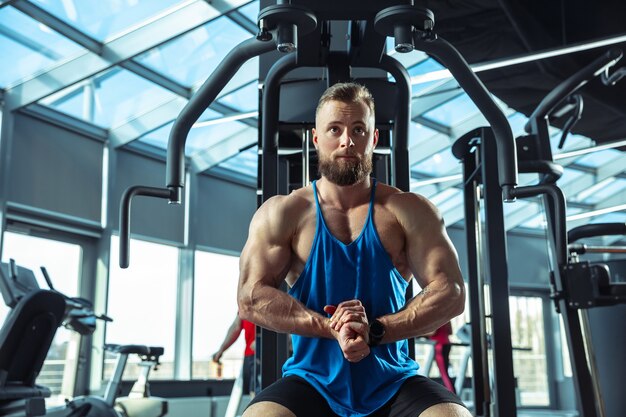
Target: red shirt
x,y
442,333
249,332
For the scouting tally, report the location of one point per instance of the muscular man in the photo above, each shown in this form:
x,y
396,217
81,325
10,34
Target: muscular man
x,y
348,248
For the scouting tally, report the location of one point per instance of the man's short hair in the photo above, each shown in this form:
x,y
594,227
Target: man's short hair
x,y
347,93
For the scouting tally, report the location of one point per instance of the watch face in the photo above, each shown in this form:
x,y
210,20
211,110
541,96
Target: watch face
x,y
377,329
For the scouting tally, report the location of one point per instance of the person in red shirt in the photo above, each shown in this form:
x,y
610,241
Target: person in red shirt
x,y
442,353
249,332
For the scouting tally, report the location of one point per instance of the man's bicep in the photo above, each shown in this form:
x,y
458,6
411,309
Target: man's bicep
x,y
429,249
265,262
266,256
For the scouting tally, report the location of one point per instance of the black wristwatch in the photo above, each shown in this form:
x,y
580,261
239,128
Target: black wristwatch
x,y
376,333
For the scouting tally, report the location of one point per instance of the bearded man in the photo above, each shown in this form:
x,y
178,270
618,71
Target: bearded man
x,y
348,248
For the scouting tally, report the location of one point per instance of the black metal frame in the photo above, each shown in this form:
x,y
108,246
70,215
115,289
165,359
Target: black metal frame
x,y
554,201
289,24
487,258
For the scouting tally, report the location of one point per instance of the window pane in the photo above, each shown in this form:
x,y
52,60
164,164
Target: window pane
x,y
62,261
439,164
191,58
251,10
424,67
109,99
29,46
529,353
142,303
103,19
453,111
245,99
245,162
215,308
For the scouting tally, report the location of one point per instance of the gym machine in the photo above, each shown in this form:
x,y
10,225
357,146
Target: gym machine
x,y
27,335
301,30
487,256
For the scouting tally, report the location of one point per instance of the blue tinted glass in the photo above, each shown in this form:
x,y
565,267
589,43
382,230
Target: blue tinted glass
x,y
245,99
453,111
117,96
571,143
615,217
103,19
602,190
419,133
424,67
570,175
158,137
442,163
245,162
517,122
447,198
201,138
195,139
250,10
596,159
453,199
573,210
516,207
191,58
536,222
426,190
29,46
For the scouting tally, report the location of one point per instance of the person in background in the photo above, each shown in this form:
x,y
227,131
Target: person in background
x,y
249,332
441,337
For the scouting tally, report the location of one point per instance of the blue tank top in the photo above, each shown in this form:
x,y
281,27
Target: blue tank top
x,y
337,272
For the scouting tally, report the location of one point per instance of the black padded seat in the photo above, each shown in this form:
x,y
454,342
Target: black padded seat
x,y
25,339
135,349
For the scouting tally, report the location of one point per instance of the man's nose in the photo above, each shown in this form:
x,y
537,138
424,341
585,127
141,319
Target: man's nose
x,y
346,140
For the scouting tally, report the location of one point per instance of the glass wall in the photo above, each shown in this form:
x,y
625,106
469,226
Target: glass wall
x,y
215,308
529,350
142,303
63,263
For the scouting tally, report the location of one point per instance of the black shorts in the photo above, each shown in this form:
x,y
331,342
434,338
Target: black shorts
x,y
416,395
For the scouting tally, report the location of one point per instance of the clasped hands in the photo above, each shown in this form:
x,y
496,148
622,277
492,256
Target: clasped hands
x,y
349,325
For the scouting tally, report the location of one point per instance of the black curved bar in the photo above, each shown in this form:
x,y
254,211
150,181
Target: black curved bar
x,y
574,83
551,171
597,229
125,215
271,105
458,67
402,122
558,198
199,102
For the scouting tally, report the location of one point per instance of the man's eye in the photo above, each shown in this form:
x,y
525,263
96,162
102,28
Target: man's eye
x,y
334,129
359,131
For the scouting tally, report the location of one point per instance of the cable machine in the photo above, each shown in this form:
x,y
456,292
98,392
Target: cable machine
x,y
301,29
487,255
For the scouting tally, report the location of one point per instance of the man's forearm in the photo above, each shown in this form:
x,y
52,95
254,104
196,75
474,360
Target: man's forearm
x,y
424,313
276,310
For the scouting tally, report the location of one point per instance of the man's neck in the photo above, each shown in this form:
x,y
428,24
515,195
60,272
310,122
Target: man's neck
x,y
345,196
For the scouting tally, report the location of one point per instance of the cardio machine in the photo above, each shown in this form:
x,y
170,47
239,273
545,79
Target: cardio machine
x,y
26,337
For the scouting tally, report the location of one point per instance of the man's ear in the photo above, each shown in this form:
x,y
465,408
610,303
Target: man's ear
x,y
314,134
376,133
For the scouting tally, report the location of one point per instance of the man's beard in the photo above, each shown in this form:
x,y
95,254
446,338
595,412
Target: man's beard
x,y
346,172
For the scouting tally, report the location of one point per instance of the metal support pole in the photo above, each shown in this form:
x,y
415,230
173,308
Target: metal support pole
x,y
476,284
496,269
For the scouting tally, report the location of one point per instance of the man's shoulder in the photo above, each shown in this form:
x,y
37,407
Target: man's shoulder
x,y
396,198
407,207
286,208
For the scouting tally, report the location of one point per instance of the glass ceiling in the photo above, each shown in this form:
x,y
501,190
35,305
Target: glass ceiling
x,y
120,64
